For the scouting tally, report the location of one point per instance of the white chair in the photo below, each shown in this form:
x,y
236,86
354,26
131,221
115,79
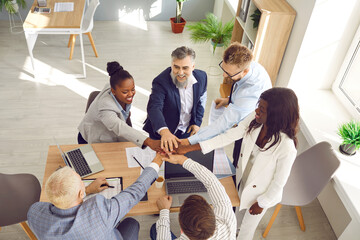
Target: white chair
x,y
86,27
311,171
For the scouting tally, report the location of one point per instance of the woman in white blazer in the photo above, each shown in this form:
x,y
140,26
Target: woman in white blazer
x,y
267,154
108,117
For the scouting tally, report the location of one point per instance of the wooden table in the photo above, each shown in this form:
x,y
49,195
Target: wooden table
x,y
54,23
113,158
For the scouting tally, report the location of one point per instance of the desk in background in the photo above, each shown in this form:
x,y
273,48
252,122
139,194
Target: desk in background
x,y
54,23
113,158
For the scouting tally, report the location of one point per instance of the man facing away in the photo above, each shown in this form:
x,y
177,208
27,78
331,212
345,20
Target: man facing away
x,y
67,216
177,101
198,221
249,79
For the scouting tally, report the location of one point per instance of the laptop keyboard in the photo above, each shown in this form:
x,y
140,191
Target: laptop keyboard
x,y
185,187
79,163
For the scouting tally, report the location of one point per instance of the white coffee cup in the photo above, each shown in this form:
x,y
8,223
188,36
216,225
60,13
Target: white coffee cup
x,y
159,182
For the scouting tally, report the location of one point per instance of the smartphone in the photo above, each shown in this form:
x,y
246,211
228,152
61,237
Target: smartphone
x,y
42,10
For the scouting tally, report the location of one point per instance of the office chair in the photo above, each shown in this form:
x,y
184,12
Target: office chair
x,y
311,171
86,27
19,192
91,98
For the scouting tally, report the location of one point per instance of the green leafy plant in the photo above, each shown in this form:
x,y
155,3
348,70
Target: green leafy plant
x,y
256,18
350,133
179,6
11,6
211,28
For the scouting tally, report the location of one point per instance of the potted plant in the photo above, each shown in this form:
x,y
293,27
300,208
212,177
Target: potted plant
x,y
12,6
350,133
212,29
178,23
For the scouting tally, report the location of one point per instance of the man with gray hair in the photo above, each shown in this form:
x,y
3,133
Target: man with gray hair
x,y
67,216
177,101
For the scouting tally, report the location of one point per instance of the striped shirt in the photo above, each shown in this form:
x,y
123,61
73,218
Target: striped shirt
x,y
224,214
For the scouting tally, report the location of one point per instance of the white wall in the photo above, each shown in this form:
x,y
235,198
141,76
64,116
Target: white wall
x,y
153,10
318,43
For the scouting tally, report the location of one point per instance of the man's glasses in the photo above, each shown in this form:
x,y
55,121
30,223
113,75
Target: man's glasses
x,y
230,76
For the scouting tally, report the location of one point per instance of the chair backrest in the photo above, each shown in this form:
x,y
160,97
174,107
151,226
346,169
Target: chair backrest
x,y
91,98
311,171
88,19
18,193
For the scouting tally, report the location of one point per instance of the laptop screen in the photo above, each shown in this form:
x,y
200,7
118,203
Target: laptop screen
x,y
177,171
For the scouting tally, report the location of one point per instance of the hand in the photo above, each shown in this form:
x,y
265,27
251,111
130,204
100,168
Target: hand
x,y
221,102
168,141
158,159
184,142
95,186
164,202
153,144
175,159
193,129
255,209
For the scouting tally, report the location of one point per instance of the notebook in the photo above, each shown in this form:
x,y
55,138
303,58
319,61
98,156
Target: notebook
x,y
180,183
82,159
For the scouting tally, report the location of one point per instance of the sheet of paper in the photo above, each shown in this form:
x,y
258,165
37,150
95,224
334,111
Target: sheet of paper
x,y
215,113
107,193
144,156
64,7
221,163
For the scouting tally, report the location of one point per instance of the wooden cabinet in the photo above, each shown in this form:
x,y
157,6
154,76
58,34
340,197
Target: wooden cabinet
x,y
268,41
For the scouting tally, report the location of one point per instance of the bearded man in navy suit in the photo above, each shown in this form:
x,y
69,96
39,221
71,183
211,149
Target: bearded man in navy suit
x,y
177,101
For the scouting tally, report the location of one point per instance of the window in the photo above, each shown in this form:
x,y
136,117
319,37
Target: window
x,y
347,84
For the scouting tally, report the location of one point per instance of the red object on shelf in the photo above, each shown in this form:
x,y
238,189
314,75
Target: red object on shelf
x,y
177,27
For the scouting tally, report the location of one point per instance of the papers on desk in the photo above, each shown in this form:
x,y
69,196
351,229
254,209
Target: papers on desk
x,y
144,156
214,113
64,7
109,192
221,163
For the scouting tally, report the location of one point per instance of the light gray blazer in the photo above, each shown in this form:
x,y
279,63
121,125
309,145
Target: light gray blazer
x,y
104,122
271,169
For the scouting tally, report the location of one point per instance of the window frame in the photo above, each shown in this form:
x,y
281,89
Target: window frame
x,y
354,51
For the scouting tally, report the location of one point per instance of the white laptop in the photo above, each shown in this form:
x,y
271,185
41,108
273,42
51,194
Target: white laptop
x,y
82,159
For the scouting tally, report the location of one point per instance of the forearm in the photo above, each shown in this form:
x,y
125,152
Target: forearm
x,y
215,189
163,231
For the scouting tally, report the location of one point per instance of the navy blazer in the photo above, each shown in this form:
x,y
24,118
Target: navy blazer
x,y
164,104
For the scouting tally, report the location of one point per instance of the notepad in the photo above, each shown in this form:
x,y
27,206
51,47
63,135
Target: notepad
x,y
64,7
109,192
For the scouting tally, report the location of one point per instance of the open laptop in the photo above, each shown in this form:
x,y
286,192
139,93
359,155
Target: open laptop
x,y
82,159
180,183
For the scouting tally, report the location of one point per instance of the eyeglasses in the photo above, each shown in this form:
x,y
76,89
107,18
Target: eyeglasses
x,y
230,76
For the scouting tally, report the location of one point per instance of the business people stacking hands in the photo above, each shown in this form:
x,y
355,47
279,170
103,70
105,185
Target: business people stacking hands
x,y
263,159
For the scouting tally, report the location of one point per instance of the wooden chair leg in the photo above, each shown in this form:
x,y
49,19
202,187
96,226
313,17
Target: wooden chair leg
x,y
92,43
300,218
28,231
70,38
72,45
276,211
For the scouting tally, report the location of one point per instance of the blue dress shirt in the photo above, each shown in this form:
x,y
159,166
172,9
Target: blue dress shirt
x,y
96,218
246,93
125,112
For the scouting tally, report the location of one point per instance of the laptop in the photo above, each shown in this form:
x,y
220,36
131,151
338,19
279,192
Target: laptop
x,y
180,183
82,159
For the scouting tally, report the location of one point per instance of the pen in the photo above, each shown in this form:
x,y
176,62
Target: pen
x,y
103,185
138,162
111,186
